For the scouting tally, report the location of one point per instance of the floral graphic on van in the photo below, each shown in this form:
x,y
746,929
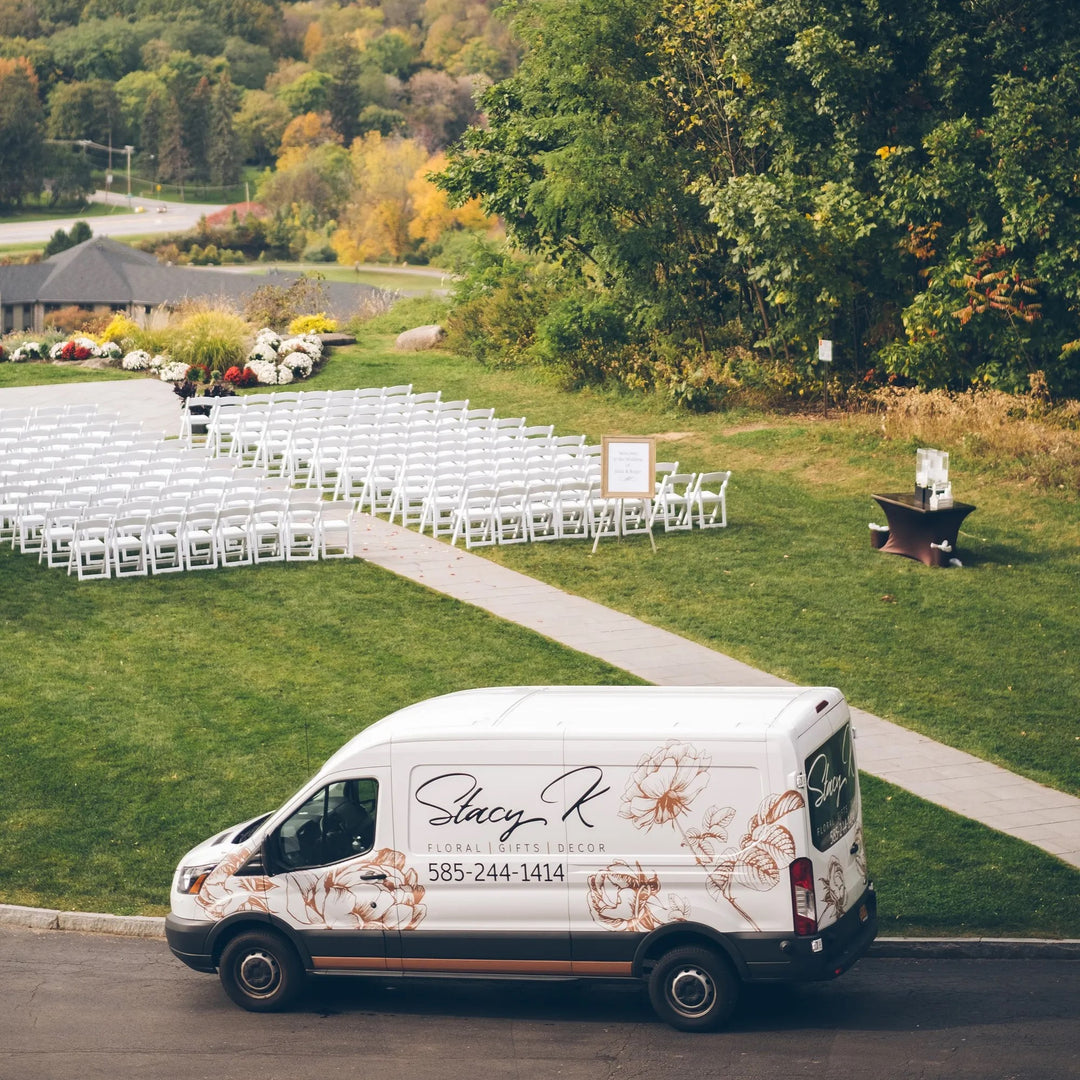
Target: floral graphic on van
x,y
379,892
625,897
357,895
834,892
764,852
223,894
664,785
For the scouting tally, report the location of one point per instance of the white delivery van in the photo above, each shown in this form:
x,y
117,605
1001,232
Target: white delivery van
x,y
695,838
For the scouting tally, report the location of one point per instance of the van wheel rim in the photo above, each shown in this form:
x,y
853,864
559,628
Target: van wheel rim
x,y
259,974
692,991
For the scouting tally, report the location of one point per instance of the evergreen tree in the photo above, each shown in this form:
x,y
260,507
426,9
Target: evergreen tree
x,y
222,158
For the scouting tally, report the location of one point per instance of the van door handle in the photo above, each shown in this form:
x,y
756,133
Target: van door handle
x,y
373,877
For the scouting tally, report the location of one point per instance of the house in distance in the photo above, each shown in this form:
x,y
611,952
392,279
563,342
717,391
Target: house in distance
x,y
104,276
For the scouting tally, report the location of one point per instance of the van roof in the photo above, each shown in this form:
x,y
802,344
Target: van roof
x,y
604,712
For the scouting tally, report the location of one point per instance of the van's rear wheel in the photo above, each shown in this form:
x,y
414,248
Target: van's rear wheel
x,y
693,989
260,971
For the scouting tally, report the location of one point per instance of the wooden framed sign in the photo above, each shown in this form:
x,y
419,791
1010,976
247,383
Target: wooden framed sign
x,y
627,466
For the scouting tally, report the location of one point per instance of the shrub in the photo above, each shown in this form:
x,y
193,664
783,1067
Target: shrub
x,y
72,319
213,339
278,305
121,329
313,324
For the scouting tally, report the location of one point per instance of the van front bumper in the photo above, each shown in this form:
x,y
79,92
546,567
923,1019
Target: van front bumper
x,y
189,941
787,958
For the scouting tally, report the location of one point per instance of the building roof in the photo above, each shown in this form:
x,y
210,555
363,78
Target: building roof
x,y
102,271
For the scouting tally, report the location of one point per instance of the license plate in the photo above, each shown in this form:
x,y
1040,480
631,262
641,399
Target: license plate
x,y
863,913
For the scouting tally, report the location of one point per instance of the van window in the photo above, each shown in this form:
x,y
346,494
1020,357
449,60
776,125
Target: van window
x,y
831,784
336,823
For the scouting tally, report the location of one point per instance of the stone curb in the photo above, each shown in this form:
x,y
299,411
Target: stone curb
x,y
144,926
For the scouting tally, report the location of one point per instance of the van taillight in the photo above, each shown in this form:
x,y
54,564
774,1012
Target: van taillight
x,y
803,904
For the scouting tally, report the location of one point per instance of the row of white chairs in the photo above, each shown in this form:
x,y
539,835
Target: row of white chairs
x,y
295,527
501,512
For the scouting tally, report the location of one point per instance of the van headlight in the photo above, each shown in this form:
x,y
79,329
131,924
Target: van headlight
x,y
192,877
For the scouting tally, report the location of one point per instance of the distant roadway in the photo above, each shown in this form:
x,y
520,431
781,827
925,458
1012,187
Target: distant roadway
x,y
178,217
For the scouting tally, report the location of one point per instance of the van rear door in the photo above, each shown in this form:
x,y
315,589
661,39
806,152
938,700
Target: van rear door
x,y
827,760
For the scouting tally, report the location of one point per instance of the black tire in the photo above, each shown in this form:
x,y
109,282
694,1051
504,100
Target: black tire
x,y
260,971
693,989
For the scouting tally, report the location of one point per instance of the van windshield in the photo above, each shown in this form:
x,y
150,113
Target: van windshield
x,y
832,782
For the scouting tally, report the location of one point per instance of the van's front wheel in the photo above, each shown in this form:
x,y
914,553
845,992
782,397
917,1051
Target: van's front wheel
x,y
693,989
261,971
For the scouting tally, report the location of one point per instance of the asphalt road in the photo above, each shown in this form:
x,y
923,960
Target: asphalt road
x,y
86,1006
177,218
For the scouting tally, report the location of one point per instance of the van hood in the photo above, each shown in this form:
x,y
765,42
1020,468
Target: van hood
x,y
224,844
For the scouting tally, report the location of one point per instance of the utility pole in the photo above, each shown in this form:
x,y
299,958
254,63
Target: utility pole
x,y
128,150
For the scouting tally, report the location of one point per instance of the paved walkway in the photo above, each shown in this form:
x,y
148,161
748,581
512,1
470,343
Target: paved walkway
x,y
1012,804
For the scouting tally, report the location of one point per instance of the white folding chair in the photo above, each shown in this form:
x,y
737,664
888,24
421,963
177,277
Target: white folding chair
x,y
90,554
301,527
511,518
233,534
574,508
129,543
673,505
57,534
335,530
164,540
268,529
199,539
474,519
710,499
542,510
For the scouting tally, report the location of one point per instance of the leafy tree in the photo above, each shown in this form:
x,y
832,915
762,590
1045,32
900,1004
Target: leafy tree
x,y
309,93
21,132
61,240
222,162
900,178
376,222
259,124
97,49
86,110
68,175
249,64
18,18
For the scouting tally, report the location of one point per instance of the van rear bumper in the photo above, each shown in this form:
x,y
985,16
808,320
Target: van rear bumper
x,y
787,958
189,941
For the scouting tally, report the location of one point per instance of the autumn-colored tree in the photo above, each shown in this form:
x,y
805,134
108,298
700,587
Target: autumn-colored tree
x,y
375,224
432,214
302,134
21,131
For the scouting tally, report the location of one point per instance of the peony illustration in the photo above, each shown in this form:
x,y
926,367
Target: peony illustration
x,y
664,785
375,893
625,897
222,894
357,894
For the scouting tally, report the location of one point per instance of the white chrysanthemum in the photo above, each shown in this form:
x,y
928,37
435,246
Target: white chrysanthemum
x,y
56,350
136,360
299,363
82,342
266,336
28,350
263,350
110,350
173,371
265,371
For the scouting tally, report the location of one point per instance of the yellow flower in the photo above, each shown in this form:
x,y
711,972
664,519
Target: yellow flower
x,y
884,151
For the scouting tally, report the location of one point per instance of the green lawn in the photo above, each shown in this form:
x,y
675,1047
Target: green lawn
x,y
140,715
